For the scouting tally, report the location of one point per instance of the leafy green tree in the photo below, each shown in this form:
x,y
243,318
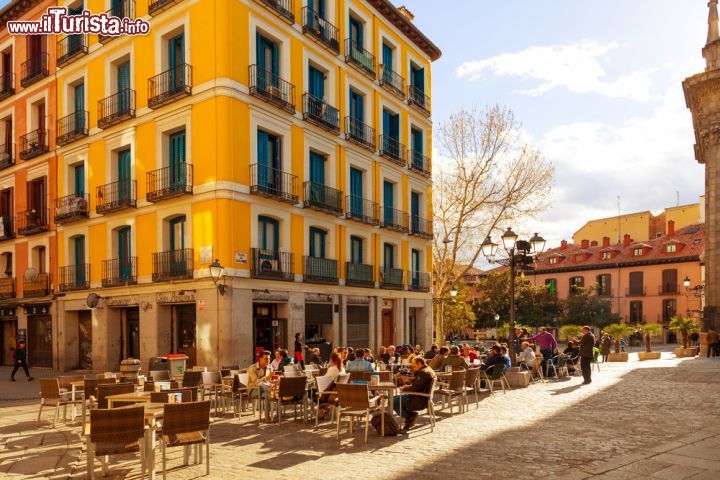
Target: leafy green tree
x,y
458,311
584,307
570,331
619,331
684,325
650,329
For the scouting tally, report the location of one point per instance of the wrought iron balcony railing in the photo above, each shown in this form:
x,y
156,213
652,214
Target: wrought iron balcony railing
x,y
7,227
284,9
668,289
72,207
635,292
418,99
7,157
359,275
274,183
34,69
392,149
359,133
173,265
119,271
271,88
392,81
71,48
116,196
158,6
169,182
361,209
120,9
170,85
393,278
394,219
34,143
72,127
318,112
37,287
7,85
116,108
321,30
421,227
322,197
419,163
420,281
32,221
357,56
7,288
75,277
320,270
272,264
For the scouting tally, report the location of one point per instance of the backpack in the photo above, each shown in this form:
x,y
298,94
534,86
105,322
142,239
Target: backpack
x,y
392,428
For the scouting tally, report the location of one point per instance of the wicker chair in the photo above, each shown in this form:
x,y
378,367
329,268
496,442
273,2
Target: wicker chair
x,y
105,390
65,381
185,425
472,384
51,395
214,389
291,391
497,374
160,375
191,379
360,376
115,432
455,389
325,397
430,406
354,401
241,395
536,371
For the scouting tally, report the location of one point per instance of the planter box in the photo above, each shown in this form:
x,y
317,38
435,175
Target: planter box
x,y
649,356
686,352
618,357
518,378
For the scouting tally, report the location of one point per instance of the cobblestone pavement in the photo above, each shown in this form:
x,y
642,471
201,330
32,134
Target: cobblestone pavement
x,y
656,419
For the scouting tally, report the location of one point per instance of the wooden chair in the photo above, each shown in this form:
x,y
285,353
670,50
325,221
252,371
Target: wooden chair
x,y
536,371
105,390
214,389
325,397
51,395
354,401
472,384
185,425
455,389
291,391
191,379
497,374
115,432
160,375
241,395
430,406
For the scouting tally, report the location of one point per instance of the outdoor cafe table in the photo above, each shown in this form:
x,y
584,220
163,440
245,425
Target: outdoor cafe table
x,y
386,387
135,397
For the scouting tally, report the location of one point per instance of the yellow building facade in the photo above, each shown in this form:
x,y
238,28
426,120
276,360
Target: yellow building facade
x,y
289,141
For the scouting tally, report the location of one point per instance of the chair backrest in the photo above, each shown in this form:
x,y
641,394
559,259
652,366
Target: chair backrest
x,y
360,376
211,378
49,388
149,386
457,380
562,360
496,371
323,371
189,394
186,417
322,383
292,369
292,386
107,389
233,372
65,380
159,397
119,425
192,379
160,374
471,377
243,378
91,384
224,372
353,395
343,378
292,374
385,376
311,367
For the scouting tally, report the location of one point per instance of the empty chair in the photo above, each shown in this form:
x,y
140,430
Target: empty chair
x,y
51,395
241,395
356,377
160,375
185,425
149,386
354,401
191,379
455,389
105,390
115,432
65,381
291,391
292,371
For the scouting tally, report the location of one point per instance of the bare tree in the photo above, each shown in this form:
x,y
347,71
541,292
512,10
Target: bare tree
x,y
491,178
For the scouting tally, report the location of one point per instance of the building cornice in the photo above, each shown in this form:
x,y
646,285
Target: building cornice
x,y
393,15
615,265
16,9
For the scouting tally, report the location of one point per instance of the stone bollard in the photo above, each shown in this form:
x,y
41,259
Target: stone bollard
x,y
517,378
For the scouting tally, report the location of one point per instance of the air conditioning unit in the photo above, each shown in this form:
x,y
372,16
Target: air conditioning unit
x,y
269,266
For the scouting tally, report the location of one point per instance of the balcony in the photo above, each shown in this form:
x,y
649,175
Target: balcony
x,y
33,221
418,99
392,149
320,114
158,6
635,292
119,271
604,292
420,282
419,163
282,8
7,85
71,208
169,182
7,159
6,228
323,198
272,265
116,196
75,277
273,183
170,85
669,289
71,48
392,278
360,58
421,227
116,108
320,270
392,82
173,265
34,69
359,275
34,143
7,288
37,287
270,87
321,30
72,127
362,210
360,134
394,219
122,9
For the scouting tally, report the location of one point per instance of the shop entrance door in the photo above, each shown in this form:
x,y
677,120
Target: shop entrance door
x,y
7,340
388,331
185,332
85,340
132,333
40,341
270,331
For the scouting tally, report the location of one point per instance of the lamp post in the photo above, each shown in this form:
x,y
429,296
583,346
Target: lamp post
x,y
518,251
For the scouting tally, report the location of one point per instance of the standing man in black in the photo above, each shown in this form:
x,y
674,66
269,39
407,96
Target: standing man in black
x,y
20,357
587,342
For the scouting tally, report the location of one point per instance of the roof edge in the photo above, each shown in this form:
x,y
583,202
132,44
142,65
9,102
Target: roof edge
x,y
392,14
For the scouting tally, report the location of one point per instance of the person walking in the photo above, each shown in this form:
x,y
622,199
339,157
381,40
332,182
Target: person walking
x,y
298,351
20,358
587,347
605,345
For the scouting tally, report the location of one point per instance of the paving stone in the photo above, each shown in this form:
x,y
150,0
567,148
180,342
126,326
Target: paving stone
x,y
676,472
645,467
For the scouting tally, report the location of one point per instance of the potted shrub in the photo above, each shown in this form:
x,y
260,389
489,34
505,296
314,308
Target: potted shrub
x,y
685,326
648,330
618,331
570,331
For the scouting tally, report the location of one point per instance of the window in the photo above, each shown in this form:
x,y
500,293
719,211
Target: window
x,y
6,264
316,83
669,310
669,281
317,242
269,162
357,32
417,78
36,195
177,174
551,285
389,255
124,176
604,288
417,145
356,192
576,283
268,234
317,168
6,151
78,252
177,233
415,266
38,259
671,248
78,104
176,61
638,252
415,211
357,106
606,255
356,249
637,286
6,212
79,180
123,87
6,70
387,57
268,62
636,312
124,252
389,201
553,260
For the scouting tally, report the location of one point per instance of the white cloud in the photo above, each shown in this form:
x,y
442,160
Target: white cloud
x,y
575,66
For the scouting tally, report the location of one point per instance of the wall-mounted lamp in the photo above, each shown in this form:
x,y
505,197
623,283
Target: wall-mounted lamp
x,y
217,271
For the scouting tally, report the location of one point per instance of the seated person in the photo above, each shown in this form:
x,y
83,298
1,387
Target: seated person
x,y
368,356
275,364
391,356
470,354
480,348
454,359
437,360
259,376
411,404
506,355
527,356
358,364
285,359
429,355
313,356
494,358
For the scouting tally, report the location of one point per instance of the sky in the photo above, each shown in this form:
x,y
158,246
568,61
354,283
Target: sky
x,y
596,85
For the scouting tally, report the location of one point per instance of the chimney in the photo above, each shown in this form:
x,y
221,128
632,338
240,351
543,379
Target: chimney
x,y
594,243
671,228
563,245
584,244
627,240
711,52
406,13
606,242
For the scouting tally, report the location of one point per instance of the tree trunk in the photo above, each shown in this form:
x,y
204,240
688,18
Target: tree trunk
x,y
617,345
647,343
685,339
